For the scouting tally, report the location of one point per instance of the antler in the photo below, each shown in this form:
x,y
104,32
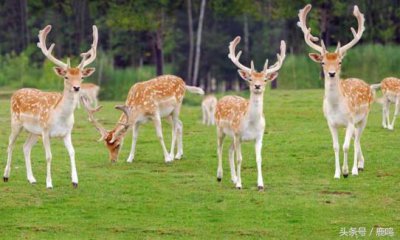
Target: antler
x,y
47,52
235,58
126,110
281,56
357,35
92,119
89,56
308,37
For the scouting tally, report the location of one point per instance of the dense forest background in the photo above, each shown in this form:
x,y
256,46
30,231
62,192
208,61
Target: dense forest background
x,y
139,39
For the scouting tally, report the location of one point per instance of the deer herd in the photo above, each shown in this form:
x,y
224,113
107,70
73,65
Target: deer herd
x,y
46,115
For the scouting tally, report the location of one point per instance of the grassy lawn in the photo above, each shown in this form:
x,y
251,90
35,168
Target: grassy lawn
x,y
149,199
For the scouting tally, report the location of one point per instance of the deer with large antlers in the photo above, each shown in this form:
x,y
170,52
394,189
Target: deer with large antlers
x,y
242,119
346,102
49,114
150,100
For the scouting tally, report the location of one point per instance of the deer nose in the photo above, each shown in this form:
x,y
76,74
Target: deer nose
x,y
332,74
76,89
257,86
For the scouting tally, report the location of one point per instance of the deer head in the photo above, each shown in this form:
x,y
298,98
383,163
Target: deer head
x,y
256,80
330,62
73,76
112,139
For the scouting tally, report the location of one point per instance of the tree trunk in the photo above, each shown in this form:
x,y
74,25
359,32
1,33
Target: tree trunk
x,y
246,37
158,52
198,43
191,41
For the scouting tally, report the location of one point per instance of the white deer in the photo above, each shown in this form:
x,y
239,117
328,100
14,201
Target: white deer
x,y
208,106
347,102
242,119
89,91
49,114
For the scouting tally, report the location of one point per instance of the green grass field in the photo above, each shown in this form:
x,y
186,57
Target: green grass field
x,y
149,199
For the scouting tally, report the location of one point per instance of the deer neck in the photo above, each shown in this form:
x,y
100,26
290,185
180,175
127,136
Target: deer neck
x,y
67,104
332,90
256,103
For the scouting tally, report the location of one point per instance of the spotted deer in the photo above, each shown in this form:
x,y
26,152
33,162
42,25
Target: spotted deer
x,y
150,100
391,94
90,91
346,102
243,119
49,114
208,106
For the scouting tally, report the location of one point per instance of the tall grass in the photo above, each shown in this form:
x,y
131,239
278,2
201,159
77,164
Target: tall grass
x,y
369,62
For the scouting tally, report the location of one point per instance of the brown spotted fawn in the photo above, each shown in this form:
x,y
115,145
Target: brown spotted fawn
x,y
243,119
150,100
346,102
49,114
391,94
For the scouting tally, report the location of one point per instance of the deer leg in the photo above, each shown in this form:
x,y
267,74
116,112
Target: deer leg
x,y
47,148
258,147
232,163
220,143
354,170
30,142
396,112
385,110
335,140
388,113
346,144
71,151
360,154
15,130
236,141
212,117
135,133
179,132
157,125
204,112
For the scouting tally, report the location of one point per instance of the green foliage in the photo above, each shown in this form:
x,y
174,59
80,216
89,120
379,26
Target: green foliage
x,y
371,63
149,199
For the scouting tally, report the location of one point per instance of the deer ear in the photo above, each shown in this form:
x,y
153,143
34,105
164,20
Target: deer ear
x,y
271,77
60,71
244,74
316,57
86,72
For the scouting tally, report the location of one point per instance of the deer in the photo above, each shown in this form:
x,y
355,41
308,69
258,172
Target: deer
x,y
151,100
390,87
243,119
49,114
346,102
90,91
208,108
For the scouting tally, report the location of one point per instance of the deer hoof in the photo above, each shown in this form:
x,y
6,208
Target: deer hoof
x,y
219,179
75,185
5,179
239,188
260,188
345,175
360,169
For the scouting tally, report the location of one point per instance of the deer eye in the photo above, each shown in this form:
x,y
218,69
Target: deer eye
x,y
322,63
340,63
66,78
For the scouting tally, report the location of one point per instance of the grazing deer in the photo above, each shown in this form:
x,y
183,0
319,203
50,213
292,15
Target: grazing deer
x,y
208,106
150,100
346,102
49,114
242,119
90,91
391,94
